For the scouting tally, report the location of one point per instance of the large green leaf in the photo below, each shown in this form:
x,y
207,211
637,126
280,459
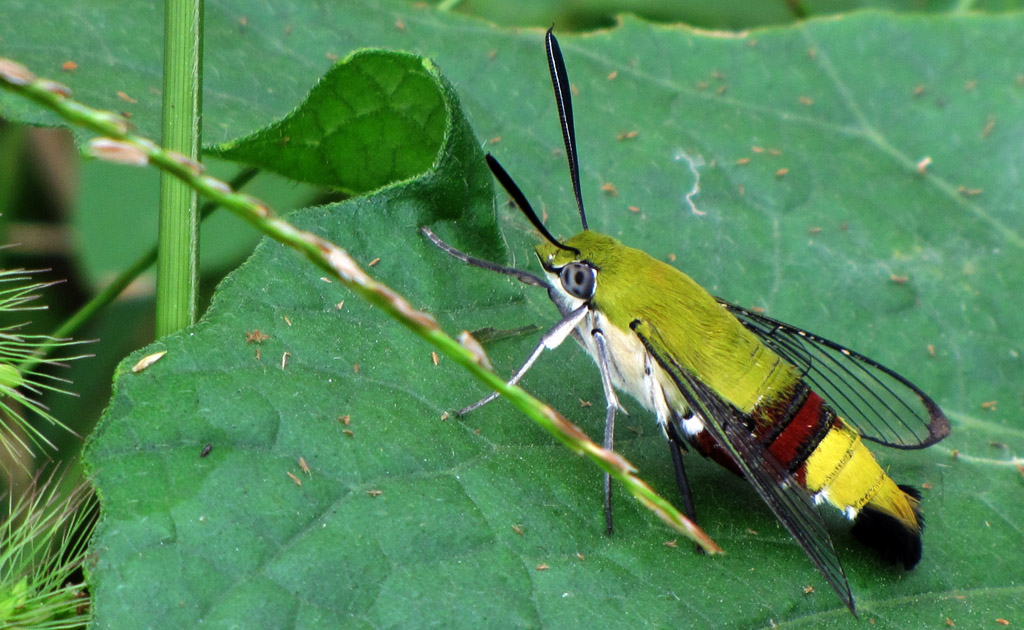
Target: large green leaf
x,y
851,242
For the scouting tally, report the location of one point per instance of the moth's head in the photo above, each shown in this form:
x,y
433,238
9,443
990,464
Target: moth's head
x,y
573,265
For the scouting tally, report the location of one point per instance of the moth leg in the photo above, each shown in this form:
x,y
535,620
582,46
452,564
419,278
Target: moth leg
x,y
613,405
551,340
523,276
676,445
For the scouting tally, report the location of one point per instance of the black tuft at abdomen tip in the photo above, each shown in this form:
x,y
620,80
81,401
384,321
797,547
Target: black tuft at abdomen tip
x,y
893,540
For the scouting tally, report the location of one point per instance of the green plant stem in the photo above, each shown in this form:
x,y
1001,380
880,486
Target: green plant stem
x,y
177,257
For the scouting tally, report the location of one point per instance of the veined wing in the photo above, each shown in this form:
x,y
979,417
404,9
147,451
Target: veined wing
x,y
791,504
882,405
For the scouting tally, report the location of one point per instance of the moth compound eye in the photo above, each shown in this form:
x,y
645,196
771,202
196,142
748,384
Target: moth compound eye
x,y
578,280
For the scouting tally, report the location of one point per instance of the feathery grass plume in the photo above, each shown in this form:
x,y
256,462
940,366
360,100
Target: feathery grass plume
x,y
21,383
42,545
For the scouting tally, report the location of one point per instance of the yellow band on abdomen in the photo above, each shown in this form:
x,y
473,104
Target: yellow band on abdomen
x,y
844,470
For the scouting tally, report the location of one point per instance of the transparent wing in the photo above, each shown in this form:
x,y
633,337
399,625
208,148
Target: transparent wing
x,y
882,405
790,502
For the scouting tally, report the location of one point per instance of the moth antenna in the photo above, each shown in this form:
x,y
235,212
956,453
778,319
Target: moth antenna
x,y
563,98
520,199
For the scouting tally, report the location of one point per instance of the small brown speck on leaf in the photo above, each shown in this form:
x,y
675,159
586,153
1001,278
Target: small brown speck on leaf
x,y
69,66
295,479
124,97
671,543
256,336
990,124
374,493
147,361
